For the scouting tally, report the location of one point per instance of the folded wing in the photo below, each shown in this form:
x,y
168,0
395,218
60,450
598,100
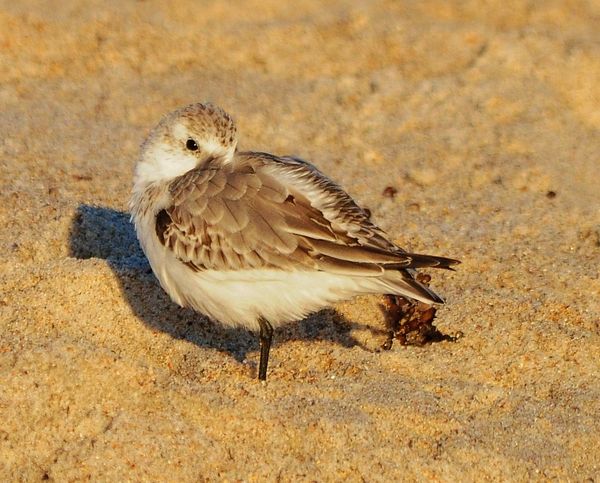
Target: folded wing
x,y
266,212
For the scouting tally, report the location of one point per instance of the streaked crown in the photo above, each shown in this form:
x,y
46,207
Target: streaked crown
x,y
209,125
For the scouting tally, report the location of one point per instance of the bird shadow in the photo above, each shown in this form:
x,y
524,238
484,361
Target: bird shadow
x,y
105,233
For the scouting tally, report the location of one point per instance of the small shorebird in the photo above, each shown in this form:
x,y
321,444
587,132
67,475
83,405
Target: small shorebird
x,y
255,240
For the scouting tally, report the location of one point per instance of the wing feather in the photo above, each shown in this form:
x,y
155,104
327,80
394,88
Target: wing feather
x,y
263,211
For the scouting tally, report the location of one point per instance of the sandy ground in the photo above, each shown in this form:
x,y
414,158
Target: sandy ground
x,y
484,115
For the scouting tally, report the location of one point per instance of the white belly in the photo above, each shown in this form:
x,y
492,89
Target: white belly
x,y
239,298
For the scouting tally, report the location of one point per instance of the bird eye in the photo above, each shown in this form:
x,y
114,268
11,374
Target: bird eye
x,y
191,145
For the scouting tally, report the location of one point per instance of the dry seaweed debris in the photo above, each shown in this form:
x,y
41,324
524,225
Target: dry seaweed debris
x,y
411,322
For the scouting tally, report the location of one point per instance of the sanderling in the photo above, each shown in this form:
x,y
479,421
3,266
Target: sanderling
x,y
255,240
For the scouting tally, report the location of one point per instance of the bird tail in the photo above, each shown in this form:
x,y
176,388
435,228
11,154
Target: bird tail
x,y
400,280
399,283
423,261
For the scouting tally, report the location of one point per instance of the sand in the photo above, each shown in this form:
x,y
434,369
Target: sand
x,y
485,117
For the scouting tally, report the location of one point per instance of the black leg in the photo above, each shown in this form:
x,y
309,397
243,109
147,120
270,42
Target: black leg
x,y
266,335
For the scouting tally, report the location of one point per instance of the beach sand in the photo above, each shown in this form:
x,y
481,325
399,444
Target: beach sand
x,y
485,117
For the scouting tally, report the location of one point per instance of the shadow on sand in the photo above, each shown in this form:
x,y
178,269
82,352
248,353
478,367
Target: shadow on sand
x,y
105,233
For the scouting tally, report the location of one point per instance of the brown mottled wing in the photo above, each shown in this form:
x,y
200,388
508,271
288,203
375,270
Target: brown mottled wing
x,y
346,218
218,221
263,211
353,237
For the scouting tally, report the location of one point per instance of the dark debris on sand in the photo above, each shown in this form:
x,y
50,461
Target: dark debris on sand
x,y
411,322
